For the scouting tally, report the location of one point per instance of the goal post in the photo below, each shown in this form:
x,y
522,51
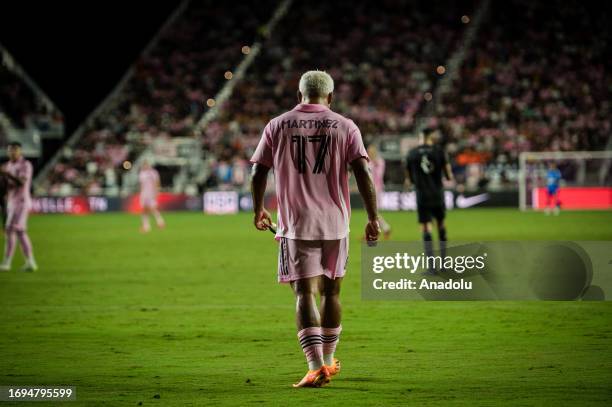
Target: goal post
x,y
586,178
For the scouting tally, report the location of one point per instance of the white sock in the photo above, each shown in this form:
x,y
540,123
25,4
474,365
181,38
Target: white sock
x,y
158,219
315,364
145,222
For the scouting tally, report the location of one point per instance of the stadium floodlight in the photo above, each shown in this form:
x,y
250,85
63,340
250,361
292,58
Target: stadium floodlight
x,y
586,178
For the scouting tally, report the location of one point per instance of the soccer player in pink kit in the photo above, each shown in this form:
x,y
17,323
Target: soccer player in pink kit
x,y
377,166
311,150
18,173
149,187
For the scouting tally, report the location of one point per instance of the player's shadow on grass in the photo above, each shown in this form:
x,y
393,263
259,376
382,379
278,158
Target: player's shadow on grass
x,y
337,387
338,384
360,379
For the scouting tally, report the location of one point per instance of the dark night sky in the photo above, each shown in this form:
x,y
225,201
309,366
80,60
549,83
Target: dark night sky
x,y
77,51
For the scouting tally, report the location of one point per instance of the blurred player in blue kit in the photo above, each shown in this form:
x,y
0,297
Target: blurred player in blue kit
x,y
553,179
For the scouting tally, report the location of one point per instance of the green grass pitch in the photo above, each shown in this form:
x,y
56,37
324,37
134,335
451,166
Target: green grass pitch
x,y
192,315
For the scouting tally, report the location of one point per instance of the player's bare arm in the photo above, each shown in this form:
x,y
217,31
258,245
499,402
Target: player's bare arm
x,y
17,181
368,194
407,179
259,178
448,172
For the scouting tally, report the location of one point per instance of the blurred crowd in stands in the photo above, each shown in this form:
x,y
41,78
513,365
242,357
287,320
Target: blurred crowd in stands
x,y
22,108
535,78
165,96
382,56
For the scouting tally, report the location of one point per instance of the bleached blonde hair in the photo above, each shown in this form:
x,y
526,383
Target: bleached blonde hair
x,y
316,84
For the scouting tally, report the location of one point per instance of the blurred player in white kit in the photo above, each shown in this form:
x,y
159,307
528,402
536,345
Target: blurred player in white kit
x,y
18,175
149,188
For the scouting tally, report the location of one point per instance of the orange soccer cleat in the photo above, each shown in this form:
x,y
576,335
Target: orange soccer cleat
x,y
315,378
332,370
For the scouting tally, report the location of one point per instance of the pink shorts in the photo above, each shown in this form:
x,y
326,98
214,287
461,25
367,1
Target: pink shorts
x,y
298,259
17,217
148,202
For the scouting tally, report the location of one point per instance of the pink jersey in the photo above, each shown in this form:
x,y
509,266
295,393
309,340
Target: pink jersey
x,y
19,195
149,179
378,174
310,149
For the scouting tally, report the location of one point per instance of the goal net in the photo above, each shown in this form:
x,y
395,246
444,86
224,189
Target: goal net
x,y
585,183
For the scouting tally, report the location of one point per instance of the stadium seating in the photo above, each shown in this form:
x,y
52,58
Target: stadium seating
x,y
17,100
21,106
535,80
383,57
164,97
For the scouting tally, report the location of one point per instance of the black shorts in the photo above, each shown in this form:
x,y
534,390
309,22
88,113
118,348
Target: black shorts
x,y
427,212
